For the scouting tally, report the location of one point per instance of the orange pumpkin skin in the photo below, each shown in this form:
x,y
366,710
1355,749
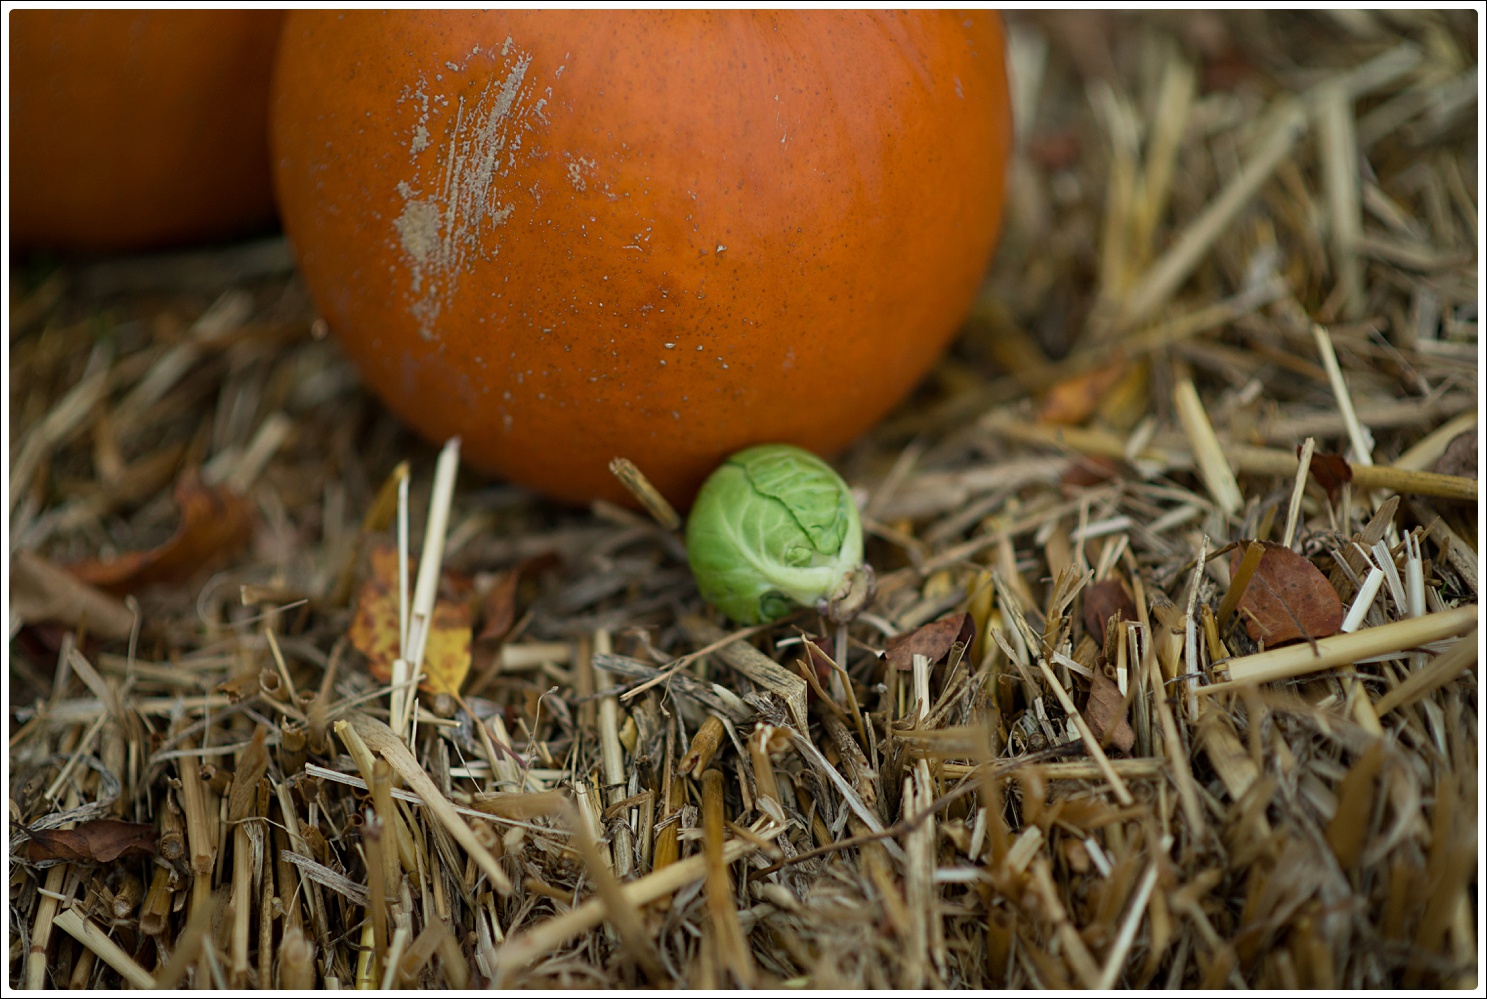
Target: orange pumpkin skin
x,y
134,130
568,236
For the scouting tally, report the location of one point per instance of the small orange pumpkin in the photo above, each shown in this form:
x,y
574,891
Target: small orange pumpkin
x,y
570,235
139,129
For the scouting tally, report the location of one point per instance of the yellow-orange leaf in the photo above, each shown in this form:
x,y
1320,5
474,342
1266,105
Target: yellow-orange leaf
x,y
1072,401
374,627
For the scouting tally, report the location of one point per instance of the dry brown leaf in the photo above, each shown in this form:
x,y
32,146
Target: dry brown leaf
x,y
931,640
1460,456
1106,712
1288,597
1331,472
99,841
1102,600
498,608
216,523
1073,400
1056,149
374,626
1089,470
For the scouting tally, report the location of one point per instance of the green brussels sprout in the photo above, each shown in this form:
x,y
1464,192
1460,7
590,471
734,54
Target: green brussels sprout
x,y
775,527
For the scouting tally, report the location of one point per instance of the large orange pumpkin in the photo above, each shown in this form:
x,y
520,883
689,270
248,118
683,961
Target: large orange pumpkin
x,y
138,129
568,235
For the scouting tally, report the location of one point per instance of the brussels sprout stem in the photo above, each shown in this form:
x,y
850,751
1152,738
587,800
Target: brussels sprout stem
x,y
855,592
839,686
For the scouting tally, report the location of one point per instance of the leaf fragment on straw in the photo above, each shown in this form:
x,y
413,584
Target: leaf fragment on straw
x,y
1091,744
1239,580
933,640
1108,598
1106,713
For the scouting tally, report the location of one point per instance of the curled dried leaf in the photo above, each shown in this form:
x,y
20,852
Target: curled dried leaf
x,y
100,841
1460,456
216,523
498,607
1103,600
1106,712
1331,472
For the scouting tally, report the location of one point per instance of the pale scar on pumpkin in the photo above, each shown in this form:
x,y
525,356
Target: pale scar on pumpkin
x,y
444,218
